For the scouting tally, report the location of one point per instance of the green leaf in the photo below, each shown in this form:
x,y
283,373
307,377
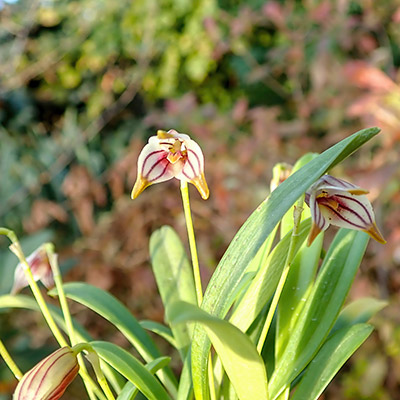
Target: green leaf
x,y
128,366
322,307
243,248
110,308
130,391
185,389
174,278
240,359
264,284
159,329
330,358
296,291
360,310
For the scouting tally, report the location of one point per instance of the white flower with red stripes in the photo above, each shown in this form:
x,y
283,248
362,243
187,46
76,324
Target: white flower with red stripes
x,y
170,155
336,202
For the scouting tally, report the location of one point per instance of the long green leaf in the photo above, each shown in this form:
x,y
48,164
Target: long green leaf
x,y
322,307
185,389
330,358
243,248
264,283
130,391
174,278
360,310
128,366
243,365
110,308
159,329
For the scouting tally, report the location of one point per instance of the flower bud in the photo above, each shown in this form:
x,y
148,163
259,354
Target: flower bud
x,y
41,270
48,379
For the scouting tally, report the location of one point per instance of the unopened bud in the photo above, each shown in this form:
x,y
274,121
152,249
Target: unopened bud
x,y
48,379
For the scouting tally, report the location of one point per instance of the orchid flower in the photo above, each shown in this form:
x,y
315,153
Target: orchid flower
x,y
170,155
48,379
41,270
336,202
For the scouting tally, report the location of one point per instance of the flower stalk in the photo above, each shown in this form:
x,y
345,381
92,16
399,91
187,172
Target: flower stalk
x,y
196,270
9,361
298,209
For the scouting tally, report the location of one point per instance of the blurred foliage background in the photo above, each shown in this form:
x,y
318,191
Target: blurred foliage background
x,y
83,84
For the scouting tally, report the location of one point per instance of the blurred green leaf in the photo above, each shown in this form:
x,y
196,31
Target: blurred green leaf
x,y
174,278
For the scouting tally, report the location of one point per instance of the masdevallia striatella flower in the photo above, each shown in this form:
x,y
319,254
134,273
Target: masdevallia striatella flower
x,y
170,155
40,267
336,202
48,379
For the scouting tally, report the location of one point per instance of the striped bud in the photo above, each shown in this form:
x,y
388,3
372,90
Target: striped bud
x,y
336,202
170,155
48,379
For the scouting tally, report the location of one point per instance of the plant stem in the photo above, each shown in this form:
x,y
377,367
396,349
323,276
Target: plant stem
x,y
196,271
17,250
94,360
9,361
61,294
298,209
192,241
53,260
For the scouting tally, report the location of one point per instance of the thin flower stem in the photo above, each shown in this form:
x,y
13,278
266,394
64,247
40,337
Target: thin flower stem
x,y
53,260
298,209
17,250
95,361
192,241
196,271
9,361
60,291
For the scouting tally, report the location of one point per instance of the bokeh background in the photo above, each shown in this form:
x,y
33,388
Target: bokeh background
x,y
83,84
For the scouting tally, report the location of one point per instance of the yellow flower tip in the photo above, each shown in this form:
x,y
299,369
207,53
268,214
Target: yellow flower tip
x,y
201,185
314,232
373,231
140,184
357,191
163,134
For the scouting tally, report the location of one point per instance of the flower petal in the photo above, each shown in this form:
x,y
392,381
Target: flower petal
x,y
347,211
193,168
373,231
319,222
153,167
